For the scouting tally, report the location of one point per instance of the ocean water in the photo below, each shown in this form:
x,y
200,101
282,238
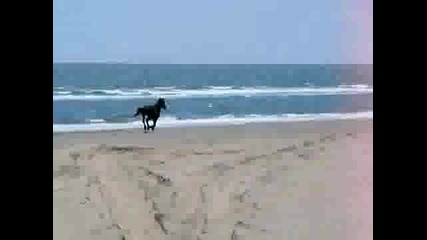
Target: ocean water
x,y
105,96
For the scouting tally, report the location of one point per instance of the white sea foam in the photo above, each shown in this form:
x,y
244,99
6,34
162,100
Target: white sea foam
x,y
165,122
172,92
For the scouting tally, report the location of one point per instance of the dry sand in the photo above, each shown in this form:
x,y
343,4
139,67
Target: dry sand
x,y
309,180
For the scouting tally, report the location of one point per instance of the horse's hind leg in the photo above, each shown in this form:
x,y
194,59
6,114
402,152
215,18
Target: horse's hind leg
x,y
143,122
148,125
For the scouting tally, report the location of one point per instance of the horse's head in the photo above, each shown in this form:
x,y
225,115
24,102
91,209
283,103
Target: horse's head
x,y
161,103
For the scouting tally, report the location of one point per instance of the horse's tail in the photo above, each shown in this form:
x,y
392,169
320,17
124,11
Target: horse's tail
x,y
138,111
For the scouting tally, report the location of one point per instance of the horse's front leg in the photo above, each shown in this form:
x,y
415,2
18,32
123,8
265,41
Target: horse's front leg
x,y
154,124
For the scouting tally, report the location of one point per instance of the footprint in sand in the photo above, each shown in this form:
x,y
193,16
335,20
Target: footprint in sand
x,y
74,155
232,151
322,139
303,156
287,149
202,153
239,230
72,171
308,143
164,180
331,137
159,218
123,149
353,135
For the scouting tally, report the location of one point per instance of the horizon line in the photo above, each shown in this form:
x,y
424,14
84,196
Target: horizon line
x,y
142,63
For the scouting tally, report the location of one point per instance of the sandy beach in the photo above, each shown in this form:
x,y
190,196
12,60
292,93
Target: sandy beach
x,y
306,180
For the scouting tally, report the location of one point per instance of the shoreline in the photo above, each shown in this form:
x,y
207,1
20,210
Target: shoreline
x,y
210,122
293,127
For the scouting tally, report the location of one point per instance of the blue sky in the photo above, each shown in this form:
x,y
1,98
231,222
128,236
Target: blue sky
x,y
220,31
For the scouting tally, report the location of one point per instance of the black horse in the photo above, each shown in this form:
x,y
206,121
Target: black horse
x,y
151,112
